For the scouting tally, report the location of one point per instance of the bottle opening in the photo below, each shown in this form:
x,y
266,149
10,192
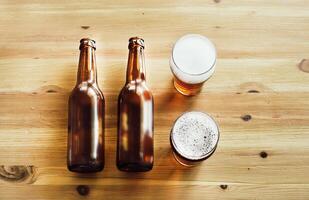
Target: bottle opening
x,y
84,42
136,41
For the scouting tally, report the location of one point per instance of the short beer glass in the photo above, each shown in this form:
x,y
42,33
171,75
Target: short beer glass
x,y
192,62
194,138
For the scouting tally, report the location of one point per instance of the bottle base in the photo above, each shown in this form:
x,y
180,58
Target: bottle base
x,y
134,167
85,168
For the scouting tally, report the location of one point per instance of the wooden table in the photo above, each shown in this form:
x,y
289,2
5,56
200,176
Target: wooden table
x,y
259,95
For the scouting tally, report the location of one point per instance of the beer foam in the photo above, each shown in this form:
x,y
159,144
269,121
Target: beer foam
x,y
195,135
193,58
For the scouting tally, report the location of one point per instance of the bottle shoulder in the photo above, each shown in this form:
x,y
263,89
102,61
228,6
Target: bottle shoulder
x,y
87,89
137,89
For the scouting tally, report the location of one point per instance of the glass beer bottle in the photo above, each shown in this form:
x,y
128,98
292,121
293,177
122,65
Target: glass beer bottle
x,y
135,115
86,116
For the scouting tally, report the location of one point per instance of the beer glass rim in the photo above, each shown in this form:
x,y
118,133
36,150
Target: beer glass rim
x,y
207,155
204,38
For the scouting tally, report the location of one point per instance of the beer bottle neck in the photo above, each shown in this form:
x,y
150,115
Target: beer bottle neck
x,y
136,68
87,71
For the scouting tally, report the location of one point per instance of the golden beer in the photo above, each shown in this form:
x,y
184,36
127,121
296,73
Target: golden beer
x,y
194,138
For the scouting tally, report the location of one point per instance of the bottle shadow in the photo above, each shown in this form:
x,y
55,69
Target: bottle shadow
x,y
171,101
170,104
111,87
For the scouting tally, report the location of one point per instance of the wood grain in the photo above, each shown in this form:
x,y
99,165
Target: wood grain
x,y
258,94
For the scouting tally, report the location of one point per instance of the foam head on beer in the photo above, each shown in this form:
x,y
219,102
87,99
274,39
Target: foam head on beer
x,y
195,135
193,58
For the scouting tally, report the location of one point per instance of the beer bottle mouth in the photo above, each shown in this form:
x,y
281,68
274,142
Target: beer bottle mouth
x,y
84,42
136,41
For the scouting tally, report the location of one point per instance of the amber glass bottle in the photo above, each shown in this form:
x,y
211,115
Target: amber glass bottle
x,y
86,116
135,115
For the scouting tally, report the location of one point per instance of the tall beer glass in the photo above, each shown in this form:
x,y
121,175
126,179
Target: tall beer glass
x,y
192,63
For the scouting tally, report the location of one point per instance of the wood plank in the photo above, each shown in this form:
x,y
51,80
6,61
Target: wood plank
x,y
159,192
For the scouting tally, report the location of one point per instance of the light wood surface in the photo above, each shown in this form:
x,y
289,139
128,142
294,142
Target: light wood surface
x,y
262,72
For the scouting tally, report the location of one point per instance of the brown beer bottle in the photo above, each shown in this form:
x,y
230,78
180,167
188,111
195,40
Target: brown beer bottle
x,y
86,115
135,115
